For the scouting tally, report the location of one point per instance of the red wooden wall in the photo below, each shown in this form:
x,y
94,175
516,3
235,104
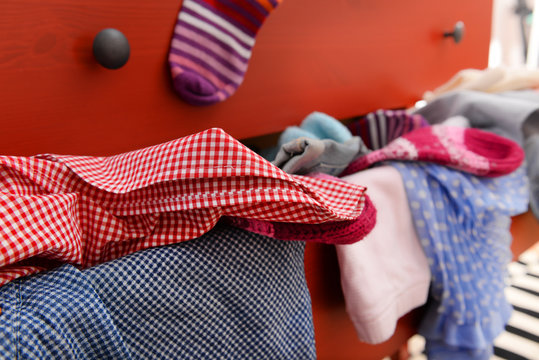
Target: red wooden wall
x,y
343,57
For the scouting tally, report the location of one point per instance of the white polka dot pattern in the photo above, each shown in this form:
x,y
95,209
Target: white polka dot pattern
x,y
463,224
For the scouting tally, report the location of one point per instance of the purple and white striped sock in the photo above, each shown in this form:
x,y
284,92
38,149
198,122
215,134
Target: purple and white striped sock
x,y
379,128
212,45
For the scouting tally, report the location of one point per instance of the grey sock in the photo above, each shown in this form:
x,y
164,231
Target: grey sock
x,y
305,155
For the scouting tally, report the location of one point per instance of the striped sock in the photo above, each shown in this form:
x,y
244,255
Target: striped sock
x,y
212,45
379,128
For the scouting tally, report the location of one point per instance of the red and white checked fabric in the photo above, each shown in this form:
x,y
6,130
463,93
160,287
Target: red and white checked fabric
x,y
87,210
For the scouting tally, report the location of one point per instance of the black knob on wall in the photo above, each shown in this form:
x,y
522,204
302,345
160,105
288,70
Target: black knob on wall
x,y
457,33
111,48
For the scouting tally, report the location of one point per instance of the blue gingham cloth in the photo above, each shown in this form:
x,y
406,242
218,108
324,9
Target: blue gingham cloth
x,y
230,294
463,223
56,315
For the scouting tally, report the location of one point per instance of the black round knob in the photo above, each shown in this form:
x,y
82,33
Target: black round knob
x,y
111,48
457,33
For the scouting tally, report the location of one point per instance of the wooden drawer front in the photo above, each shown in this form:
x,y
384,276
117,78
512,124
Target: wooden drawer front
x,y
341,57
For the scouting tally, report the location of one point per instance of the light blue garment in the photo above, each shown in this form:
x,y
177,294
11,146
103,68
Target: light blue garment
x,y
317,125
303,155
320,144
463,223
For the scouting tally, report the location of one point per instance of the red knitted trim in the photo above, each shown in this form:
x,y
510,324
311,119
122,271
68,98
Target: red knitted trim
x,y
332,232
504,155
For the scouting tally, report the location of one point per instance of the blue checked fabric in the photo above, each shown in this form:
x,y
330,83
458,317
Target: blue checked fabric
x,y
463,223
56,315
229,294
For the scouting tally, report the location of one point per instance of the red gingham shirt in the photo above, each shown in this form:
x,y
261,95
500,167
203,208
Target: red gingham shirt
x,y
87,210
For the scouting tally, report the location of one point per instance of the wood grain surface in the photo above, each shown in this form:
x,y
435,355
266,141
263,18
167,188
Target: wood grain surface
x,y
342,57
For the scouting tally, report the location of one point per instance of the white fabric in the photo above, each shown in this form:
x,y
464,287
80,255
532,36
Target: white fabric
x,y
385,275
489,80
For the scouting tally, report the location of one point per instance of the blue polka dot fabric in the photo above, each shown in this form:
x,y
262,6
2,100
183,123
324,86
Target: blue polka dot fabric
x,y
463,223
230,294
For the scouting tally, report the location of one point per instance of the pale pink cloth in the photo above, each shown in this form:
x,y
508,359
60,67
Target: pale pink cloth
x,y
385,275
